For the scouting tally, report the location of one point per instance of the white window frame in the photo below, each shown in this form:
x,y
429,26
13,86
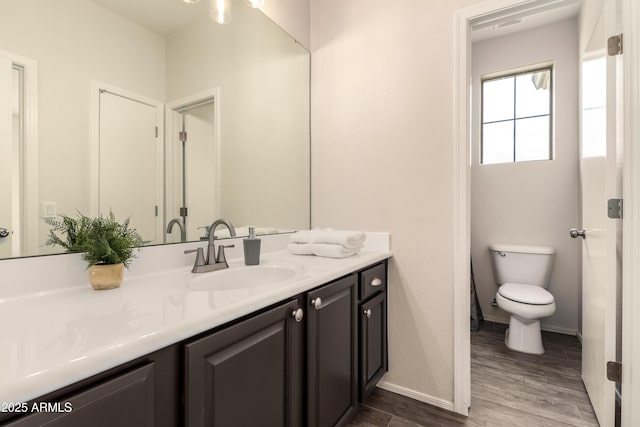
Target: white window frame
x,y
513,74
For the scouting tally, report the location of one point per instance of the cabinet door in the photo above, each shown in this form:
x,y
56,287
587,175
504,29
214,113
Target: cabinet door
x,y
126,400
248,374
332,353
373,343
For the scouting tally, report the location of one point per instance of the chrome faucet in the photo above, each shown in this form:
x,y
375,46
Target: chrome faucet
x,y
213,261
180,224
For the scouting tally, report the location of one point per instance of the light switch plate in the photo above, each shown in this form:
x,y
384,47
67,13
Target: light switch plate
x,y
48,209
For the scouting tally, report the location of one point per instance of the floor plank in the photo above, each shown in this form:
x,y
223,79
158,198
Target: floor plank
x,y
507,389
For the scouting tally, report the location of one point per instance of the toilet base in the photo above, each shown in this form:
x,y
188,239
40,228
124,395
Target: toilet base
x,y
524,337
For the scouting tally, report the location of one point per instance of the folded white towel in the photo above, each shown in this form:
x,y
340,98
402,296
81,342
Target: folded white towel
x,y
327,250
300,248
348,239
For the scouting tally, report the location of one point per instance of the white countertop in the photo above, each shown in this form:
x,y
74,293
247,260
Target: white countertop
x,y
55,338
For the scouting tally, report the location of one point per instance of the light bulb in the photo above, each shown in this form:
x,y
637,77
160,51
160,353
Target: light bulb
x,y
255,3
220,11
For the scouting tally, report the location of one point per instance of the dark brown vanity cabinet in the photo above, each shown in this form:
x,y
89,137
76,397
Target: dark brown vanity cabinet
x,y
301,362
332,373
248,374
373,328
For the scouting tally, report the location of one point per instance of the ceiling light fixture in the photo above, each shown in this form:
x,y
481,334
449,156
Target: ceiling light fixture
x,y
220,11
191,1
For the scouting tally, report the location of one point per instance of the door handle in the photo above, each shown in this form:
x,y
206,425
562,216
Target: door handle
x,y
4,233
574,233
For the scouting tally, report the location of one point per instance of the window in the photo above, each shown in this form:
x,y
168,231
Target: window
x,y
516,117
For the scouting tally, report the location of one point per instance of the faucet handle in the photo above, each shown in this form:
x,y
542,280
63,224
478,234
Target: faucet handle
x,y
199,257
221,257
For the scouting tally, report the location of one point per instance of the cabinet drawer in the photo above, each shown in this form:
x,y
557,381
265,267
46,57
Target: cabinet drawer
x,y
373,280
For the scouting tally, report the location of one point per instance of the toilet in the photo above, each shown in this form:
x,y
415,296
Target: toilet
x,y
523,273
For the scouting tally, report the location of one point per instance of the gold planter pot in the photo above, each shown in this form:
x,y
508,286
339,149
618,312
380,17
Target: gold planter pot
x,y
106,276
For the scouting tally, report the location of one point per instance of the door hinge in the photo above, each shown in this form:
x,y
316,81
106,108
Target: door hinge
x,y
183,211
156,210
182,136
614,45
614,371
156,131
614,208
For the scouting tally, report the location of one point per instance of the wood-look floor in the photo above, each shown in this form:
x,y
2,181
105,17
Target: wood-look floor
x,y
508,389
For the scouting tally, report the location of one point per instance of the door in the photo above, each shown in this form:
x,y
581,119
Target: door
x,y
126,400
332,353
600,176
8,95
373,343
129,178
193,163
248,374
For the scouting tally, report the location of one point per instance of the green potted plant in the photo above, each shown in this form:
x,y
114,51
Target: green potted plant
x,y
106,245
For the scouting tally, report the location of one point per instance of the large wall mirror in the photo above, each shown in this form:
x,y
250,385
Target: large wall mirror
x,y
152,110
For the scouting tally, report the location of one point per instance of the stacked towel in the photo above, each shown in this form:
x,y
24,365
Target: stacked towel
x,y
327,243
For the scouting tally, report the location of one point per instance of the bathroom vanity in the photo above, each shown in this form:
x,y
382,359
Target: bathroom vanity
x,y
304,352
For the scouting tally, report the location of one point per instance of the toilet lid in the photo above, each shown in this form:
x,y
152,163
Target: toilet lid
x,y
526,294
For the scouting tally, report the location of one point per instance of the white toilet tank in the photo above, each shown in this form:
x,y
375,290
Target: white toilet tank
x,y
528,265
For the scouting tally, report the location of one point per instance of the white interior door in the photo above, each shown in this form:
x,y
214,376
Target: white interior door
x,y
600,180
197,187
6,154
202,192
128,177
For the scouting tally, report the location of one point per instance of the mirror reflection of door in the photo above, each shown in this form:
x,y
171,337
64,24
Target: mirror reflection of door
x,y
130,172
10,140
195,160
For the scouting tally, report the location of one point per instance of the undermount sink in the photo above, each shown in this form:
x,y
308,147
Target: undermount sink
x,y
245,277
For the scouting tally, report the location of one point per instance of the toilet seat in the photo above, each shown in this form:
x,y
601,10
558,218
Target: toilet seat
x,y
526,294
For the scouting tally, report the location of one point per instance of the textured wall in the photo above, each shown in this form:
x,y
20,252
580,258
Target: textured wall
x,y
293,16
382,159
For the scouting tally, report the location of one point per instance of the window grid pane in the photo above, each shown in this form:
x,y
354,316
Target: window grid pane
x,y
498,100
525,111
498,146
532,139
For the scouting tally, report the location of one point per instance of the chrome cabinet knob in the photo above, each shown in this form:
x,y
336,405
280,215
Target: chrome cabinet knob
x,y
298,315
4,233
316,303
367,313
376,282
574,233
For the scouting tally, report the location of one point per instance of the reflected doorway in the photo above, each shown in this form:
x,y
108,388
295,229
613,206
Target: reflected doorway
x,y
193,166
18,151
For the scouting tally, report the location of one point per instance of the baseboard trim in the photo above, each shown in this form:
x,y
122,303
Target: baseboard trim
x,y
413,394
548,328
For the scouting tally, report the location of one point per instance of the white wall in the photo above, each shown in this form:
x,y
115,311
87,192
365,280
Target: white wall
x,y
71,51
383,159
531,202
293,16
264,107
